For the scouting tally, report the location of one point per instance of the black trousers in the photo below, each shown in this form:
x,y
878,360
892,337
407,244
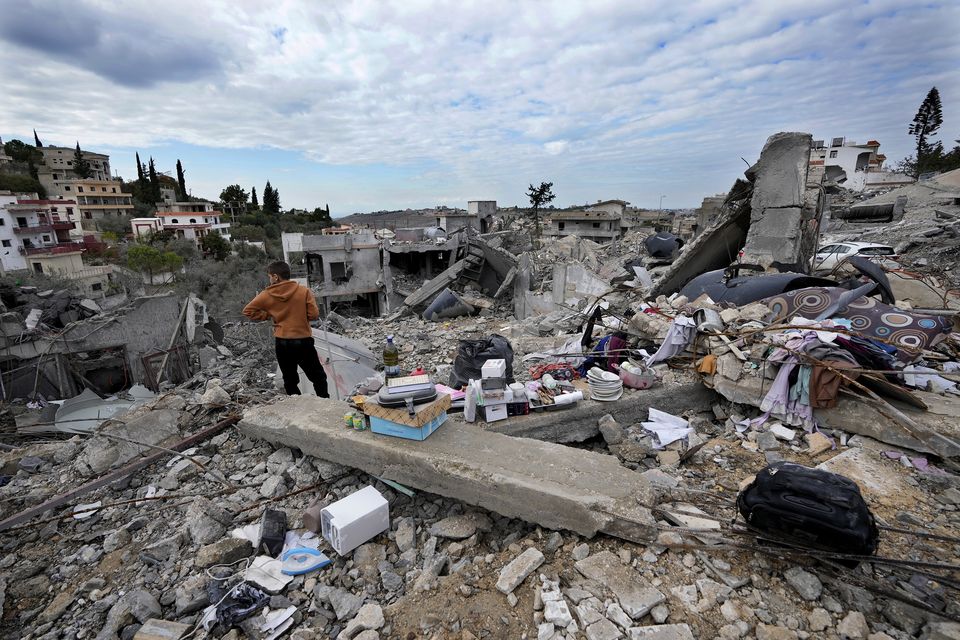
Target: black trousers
x,y
300,352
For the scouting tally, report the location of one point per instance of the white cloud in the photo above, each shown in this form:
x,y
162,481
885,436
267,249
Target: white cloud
x,y
606,99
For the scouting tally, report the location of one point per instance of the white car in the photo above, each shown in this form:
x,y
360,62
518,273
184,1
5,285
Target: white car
x,y
831,255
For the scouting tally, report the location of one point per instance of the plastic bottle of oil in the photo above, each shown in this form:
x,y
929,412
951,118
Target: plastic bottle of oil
x,y
391,359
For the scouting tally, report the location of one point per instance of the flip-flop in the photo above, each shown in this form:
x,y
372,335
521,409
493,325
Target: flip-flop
x,y
302,560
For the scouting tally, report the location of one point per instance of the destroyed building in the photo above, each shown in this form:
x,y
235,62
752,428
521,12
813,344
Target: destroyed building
x,y
601,518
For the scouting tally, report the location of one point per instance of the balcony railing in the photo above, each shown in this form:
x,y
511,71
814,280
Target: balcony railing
x,y
45,225
53,249
33,228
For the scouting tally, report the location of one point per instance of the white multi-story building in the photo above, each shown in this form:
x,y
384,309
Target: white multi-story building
x,y
187,220
857,167
35,236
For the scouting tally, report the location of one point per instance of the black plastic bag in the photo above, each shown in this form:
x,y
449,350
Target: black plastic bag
x,y
471,354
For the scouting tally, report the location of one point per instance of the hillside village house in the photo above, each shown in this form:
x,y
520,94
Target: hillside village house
x,y
858,167
187,220
35,236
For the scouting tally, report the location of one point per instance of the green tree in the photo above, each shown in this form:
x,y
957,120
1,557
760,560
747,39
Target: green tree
x,y
271,200
254,203
234,200
36,139
214,245
80,165
150,260
540,196
154,194
180,182
925,124
249,232
140,177
21,184
20,151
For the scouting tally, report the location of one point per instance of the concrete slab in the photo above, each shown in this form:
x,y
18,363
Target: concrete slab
x,y
548,484
636,596
580,422
881,480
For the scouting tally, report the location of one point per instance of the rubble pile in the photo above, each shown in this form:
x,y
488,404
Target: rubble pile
x,y
208,509
926,239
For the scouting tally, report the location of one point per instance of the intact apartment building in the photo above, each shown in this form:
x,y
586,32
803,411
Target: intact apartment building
x,y
600,222
857,167
187,220
96,200
58,166
35,235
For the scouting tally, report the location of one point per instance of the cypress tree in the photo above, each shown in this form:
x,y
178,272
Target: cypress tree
x,y
253,198
36,139
154,183
180,182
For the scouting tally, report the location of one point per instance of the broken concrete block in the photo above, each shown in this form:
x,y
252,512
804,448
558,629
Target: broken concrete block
x,y
767,441
853,627
206,521
215,397
782,432
518,569
636,597
369,617
662,632
557,612
817,443
611,431
156,629
460,527
225,551
668,458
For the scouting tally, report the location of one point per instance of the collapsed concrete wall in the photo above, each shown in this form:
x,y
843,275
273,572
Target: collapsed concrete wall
x,y
784,212
774,218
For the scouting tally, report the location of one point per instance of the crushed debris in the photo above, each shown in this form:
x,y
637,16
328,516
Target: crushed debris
x,y
155,483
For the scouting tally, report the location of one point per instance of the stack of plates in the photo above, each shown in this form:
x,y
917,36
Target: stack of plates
x,y
604,386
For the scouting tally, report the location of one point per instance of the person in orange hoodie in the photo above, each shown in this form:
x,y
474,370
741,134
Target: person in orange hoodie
x,y
291,307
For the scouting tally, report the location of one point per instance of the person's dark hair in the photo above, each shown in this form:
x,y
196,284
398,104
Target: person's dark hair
x,y
280,269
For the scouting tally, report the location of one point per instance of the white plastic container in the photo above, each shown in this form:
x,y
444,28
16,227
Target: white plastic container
x,y
348,523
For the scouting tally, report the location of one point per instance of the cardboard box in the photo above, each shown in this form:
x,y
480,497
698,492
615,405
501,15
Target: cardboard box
x,y
495,368
348,523
397,430
423,415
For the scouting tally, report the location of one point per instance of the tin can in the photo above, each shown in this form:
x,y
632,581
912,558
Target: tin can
x,y
358,423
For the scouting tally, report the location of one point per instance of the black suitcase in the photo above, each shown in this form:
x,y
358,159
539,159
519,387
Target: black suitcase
x,y
809,507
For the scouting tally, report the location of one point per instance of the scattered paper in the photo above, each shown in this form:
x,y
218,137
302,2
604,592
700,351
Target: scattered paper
x,y
668,428
82,511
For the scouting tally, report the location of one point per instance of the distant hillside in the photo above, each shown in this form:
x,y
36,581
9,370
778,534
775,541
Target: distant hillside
x,y
404,219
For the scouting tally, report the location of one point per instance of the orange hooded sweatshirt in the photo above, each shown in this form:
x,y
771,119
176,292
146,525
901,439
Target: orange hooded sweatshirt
x,y
291,307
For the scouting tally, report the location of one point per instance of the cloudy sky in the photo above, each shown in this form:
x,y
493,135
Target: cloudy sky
x,y
373,104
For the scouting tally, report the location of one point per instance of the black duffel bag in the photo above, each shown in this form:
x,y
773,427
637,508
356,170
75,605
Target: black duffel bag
x,y
811,508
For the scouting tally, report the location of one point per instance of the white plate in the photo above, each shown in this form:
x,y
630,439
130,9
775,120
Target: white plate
x,y
606,398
